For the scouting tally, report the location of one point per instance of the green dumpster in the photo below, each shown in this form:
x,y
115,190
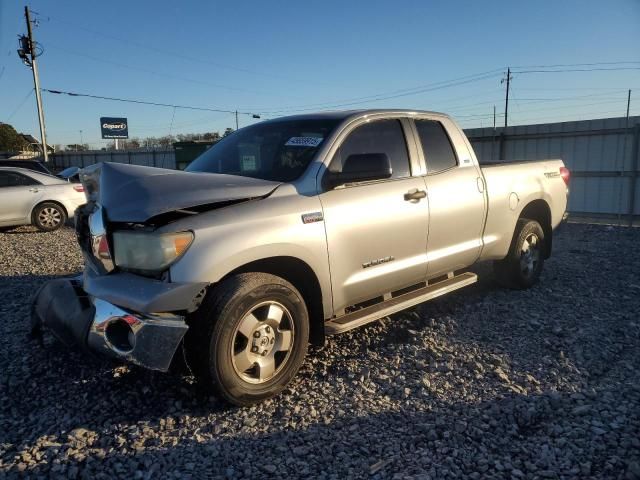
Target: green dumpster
x,y
186,152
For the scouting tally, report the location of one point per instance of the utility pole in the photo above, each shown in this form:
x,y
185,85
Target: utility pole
x,y
624,157
506,100
36,82
81,137
236,119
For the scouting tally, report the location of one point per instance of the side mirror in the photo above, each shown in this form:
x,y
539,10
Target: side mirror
x,y
359,168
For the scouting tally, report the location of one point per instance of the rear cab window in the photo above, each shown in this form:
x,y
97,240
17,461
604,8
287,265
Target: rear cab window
x,y
380,136
438,150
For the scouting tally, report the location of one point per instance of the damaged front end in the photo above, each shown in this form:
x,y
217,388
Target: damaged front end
x,y
126,313
78,319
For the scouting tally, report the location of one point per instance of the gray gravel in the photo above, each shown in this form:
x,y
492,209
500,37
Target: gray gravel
x,y
484,383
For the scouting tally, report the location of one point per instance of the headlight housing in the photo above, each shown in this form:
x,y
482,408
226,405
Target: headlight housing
x,y
148,252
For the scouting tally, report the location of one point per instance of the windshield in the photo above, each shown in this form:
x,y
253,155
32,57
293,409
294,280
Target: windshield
x,y
277,151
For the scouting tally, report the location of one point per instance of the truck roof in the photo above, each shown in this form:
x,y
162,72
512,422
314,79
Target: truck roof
x,y
345,114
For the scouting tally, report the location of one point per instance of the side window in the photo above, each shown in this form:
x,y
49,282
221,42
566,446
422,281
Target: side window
x,y
12,179
382,136
438,151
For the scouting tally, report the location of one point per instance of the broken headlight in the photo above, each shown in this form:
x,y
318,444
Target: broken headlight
x,y
147,252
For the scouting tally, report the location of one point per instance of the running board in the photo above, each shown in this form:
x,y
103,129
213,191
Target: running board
x,y
401,302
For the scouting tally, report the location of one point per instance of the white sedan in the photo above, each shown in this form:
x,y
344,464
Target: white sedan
x,y
33,198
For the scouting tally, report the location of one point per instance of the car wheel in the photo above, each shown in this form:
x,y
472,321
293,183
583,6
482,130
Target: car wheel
x,y
49,216
249,337
522,266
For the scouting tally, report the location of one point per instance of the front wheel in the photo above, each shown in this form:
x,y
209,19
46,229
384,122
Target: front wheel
x,y
522,266
249,337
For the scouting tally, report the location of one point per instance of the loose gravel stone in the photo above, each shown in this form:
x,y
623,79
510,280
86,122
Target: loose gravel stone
x,y
483,383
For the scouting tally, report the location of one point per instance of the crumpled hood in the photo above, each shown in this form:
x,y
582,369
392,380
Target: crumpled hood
x,y
133,193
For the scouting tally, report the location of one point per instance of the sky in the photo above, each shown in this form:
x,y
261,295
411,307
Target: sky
x,y
278,58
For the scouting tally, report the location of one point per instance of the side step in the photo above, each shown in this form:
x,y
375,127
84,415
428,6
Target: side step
x,y
401,302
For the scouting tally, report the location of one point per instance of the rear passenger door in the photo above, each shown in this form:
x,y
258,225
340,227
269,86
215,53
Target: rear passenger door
x,y
376,237
456,197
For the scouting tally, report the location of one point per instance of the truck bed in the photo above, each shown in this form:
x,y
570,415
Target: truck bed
x,y
512,185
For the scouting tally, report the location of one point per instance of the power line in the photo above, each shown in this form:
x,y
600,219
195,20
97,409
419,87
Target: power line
x,y
153,72
405,92
577,64
402,93
605,69
198,60
144,102
22,102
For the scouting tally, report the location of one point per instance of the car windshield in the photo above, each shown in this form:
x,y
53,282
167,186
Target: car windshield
x,y
278,151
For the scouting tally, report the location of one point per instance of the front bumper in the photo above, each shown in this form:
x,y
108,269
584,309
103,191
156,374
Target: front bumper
x,y
76,318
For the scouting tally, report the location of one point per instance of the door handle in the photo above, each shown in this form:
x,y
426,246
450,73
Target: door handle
x,y
34,190
414,195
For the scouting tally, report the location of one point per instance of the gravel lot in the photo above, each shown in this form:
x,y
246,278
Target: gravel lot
x,y
484,383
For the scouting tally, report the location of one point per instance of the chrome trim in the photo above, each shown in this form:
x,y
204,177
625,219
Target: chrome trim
x,y
97,232
156,336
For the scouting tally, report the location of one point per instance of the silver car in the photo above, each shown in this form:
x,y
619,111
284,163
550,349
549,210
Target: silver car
x,y
33,198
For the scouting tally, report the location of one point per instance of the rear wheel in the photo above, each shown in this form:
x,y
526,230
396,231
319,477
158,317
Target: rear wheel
x,y
249,337
522,266
49,216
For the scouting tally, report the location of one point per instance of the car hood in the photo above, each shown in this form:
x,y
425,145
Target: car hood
x,y
134,193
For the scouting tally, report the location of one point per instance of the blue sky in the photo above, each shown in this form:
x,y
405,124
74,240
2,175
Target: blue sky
x,y
272,57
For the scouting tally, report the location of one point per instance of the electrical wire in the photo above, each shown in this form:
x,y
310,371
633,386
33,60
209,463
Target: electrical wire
x,y
157,73
143,102
22,102
399,93
199,60
577,64
403,93
614,69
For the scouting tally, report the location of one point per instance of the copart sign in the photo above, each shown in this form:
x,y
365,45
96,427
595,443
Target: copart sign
x,y
114,127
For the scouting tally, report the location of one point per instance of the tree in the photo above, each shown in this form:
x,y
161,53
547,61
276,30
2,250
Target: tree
x,y
10,140
212,136
76,147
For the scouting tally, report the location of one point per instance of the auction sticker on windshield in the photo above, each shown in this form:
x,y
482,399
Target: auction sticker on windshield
x,y
303,142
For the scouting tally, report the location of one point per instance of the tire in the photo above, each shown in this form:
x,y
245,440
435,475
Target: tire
x,y
249,337
49,216
522,266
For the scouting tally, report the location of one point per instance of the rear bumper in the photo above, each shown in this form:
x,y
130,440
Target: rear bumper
x,y
77,318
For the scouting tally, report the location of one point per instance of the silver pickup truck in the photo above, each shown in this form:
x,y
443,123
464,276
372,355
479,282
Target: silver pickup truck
x,y
289,230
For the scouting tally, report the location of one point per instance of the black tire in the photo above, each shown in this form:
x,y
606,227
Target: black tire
x,y
214,339
49,216
520,270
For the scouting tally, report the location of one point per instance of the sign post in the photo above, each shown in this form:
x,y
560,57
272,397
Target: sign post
x,y
114,128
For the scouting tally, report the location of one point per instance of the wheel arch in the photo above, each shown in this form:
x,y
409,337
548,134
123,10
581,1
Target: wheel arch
x,y
300,275
540,211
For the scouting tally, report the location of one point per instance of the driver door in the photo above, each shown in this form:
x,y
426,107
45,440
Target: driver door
x,y
376,237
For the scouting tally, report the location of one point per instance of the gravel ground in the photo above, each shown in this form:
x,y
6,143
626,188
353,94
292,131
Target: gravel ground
x,y
484,383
